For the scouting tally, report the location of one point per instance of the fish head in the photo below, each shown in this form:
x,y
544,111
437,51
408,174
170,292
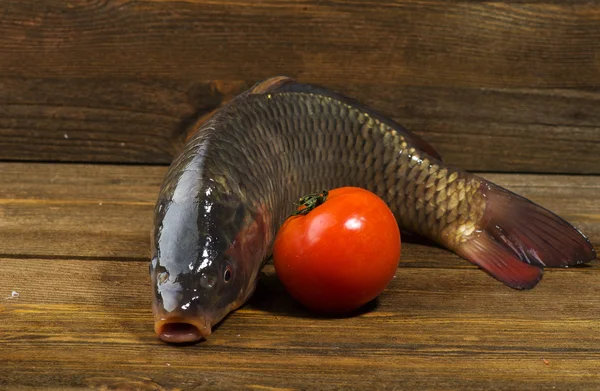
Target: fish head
x,y
200,267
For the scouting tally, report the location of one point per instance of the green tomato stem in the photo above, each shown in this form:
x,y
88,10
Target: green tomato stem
x,y
310,202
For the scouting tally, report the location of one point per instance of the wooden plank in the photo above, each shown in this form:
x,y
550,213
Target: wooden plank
x,y
82,319
143,121
500,130
88,324
495,86
105,211
101,120
93,183
477,44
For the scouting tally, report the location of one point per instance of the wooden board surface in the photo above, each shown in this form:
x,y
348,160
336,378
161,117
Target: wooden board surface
x,y
105,211
74,242
471,43
499,86
78,324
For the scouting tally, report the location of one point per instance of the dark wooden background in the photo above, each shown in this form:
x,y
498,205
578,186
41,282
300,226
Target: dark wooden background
x,y
95,99
499,86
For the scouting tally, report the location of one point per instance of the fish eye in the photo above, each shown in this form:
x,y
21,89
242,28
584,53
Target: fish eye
x,y
227,274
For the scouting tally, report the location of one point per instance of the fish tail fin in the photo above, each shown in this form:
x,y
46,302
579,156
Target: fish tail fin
x,y
518,238
499,262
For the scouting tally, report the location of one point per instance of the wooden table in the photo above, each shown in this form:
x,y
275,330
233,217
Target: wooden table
x,y
95,98
74,241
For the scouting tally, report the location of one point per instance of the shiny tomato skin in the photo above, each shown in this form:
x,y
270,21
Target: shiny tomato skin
x,y
342,254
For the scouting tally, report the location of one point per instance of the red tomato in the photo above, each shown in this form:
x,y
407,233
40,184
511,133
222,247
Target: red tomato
x,y
340,255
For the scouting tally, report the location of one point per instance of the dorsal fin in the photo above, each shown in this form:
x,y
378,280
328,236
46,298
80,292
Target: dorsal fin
x,y
286,84
271,84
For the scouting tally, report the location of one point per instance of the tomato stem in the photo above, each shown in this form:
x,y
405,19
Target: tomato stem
x,y
309,202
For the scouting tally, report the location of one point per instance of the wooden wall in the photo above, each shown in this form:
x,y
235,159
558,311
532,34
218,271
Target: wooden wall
x,y
494,86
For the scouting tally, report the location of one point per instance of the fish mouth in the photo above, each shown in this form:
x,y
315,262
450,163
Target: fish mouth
x,y
182,329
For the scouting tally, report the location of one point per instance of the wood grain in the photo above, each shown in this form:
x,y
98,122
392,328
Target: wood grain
x,y
506,86
74,247
144,122
105,211
102,120
476,44
494,86
89,324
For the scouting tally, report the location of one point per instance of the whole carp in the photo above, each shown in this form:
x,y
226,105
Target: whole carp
x,y
233,184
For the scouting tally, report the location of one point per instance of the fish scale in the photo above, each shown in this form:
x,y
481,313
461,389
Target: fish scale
x,y
238,176
378,159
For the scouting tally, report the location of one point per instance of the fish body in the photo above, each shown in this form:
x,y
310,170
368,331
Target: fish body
x,y
234,183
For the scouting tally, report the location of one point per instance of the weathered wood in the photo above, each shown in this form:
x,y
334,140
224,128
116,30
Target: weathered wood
x,y
102,120
93,183
144,122
501,130
105,211
492,44
495,86
82,318
89,324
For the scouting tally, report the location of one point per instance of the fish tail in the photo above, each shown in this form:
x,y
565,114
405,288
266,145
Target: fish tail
x,y
517,238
